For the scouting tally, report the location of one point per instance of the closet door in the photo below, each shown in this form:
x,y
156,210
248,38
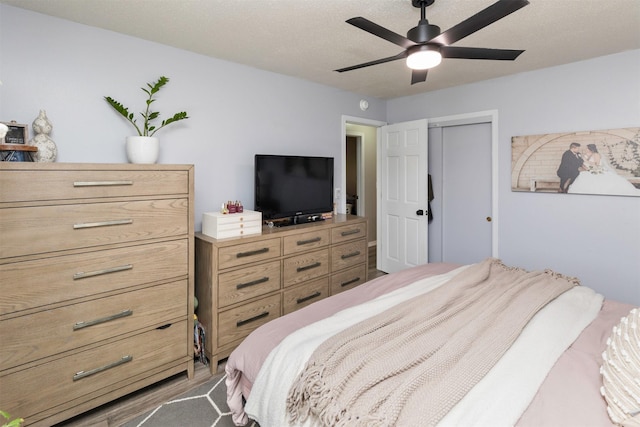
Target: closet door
x,y
461,229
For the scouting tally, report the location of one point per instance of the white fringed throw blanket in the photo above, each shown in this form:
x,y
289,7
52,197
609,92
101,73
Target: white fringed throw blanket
x,y
411,364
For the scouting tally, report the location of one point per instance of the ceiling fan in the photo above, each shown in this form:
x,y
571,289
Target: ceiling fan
x,y
425,45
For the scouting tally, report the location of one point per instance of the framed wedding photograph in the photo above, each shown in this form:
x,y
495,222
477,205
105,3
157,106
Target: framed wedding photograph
x,y
603,162
17,133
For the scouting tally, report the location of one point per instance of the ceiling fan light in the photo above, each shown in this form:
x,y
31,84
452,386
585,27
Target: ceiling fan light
x,y
424,59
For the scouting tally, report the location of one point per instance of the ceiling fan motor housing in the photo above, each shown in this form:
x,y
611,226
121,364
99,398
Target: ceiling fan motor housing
x,y
423,32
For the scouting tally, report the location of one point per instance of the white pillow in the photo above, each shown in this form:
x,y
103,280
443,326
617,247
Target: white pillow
x,y
621,371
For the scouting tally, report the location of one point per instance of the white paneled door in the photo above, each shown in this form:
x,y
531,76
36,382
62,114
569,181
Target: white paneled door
x,y
403,199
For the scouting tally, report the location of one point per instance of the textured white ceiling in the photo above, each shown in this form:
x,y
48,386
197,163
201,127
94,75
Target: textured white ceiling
x,y
309,38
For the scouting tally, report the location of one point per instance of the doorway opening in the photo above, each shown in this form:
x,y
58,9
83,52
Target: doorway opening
x,y
359,170
354,187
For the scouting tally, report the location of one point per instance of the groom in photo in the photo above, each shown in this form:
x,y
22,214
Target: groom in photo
x,y
570,166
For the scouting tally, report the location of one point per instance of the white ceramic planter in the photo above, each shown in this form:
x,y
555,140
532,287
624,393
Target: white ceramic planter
x,y
142,149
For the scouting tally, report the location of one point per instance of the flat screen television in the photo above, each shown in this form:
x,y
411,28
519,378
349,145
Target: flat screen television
x,y
295,187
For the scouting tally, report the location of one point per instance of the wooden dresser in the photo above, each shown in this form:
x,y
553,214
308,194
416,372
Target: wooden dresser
x,y
242,283
96,283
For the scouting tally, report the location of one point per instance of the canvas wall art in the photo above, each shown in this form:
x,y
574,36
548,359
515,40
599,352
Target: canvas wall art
x,y
590,162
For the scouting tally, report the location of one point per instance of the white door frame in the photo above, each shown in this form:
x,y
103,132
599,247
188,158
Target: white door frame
x,y
342,198
489,116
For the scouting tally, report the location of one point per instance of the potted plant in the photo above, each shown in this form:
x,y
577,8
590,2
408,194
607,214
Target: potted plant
x,y
144,148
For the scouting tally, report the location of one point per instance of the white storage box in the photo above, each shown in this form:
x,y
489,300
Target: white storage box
x,y
221,226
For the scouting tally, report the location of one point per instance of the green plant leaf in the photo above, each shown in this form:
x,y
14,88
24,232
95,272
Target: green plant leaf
x,y
12,423
124,112
175,118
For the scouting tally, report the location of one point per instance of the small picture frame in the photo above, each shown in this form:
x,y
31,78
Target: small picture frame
x,y
17,133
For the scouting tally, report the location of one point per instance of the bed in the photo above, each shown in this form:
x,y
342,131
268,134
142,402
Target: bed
x,y
545,372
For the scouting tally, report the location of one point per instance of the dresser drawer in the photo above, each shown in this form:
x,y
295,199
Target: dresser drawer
x,y
303,295
348,232
57,330
305,241
348,279
30,284
301,268
85,375
46,185
245,253
35,230
237,323
249,282
348,254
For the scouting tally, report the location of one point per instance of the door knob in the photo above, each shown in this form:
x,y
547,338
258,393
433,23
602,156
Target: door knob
x,y
419,212
488,219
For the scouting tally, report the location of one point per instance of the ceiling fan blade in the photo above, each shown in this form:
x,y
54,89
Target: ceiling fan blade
x,y
418,76
478,21
377,30
376,62
479,53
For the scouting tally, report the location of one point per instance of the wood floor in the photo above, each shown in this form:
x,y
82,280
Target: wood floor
x,y
373,273
122,410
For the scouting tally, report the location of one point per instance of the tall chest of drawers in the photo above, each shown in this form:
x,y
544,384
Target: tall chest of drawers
x,y
242,283
96,283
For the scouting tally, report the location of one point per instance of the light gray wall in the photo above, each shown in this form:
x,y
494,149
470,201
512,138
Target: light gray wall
x,y
235,111
596,238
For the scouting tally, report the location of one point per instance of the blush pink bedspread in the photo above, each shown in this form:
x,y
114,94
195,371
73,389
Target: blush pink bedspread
x,y
569,396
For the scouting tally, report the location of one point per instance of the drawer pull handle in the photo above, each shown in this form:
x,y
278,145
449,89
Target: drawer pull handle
x,y
250,253
307,298
81,325
102,223
83,374
352,254
166,326
252,283
306,242
308,267
84,275
348,282
252,319
100,183
350,232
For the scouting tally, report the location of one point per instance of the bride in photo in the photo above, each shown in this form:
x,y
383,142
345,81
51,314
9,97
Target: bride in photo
x,y
599,178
